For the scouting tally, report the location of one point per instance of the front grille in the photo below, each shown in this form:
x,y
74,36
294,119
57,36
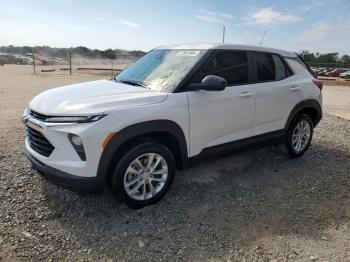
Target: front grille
x,y
38,142
37,115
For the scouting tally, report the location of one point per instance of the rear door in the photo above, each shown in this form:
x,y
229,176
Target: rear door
x,y
277,90
217,117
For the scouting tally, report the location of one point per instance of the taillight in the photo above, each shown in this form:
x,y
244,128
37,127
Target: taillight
x,y
319,83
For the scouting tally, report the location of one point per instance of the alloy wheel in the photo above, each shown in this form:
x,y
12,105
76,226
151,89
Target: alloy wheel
x,y
301,136
146,176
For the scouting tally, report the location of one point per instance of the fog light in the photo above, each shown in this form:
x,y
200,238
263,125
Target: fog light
x,y
77,144
76,140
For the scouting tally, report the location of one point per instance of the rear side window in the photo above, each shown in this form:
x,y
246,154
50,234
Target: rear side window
x,y
280,68
231,65
270,67
301,61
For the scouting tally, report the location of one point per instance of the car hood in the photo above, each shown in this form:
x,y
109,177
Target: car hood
x,y
93,97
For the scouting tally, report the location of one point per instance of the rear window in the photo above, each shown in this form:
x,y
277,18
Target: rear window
x,y
270,67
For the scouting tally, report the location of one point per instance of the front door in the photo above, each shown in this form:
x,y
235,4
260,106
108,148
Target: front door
x,y
218,117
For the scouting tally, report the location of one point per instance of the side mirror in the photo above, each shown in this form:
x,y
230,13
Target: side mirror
x,y
210,83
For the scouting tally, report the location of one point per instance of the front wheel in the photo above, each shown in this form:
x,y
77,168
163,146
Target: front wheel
x,y
144,174
300,135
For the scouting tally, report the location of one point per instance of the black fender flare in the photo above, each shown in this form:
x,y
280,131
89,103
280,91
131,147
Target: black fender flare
x,y
309,103
137,130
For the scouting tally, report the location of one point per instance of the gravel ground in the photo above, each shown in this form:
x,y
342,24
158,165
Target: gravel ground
x,y
257,205
254,206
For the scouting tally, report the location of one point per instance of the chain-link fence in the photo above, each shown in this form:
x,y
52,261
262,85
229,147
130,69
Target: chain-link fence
x,y
74,63
70,62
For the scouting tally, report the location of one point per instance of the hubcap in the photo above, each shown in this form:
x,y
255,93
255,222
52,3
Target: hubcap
x,y
301,136
146,176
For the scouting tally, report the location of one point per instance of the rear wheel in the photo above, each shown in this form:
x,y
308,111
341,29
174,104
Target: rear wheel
x,y
300,135
144,174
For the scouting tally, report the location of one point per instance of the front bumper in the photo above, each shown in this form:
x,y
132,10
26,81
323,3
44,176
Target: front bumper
x,y
65,180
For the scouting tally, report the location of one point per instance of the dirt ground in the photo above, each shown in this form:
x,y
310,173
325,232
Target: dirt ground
x,y
254,206
336,101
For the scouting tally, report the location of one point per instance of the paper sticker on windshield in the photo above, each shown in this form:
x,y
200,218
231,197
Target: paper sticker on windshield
x,y
187,53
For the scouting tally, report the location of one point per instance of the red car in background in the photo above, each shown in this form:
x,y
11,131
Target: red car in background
x,y
335,72
324,71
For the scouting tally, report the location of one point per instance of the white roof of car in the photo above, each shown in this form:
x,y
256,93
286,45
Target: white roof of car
x,y
206,46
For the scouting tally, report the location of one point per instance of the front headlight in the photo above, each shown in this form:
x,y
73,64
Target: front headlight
x,y
74,119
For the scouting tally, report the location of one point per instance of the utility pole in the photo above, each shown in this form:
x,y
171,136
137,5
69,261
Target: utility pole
x,y
70,61
112,56
263,37
33,56
112,66
223,34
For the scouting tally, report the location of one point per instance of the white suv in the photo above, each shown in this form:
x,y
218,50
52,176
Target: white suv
x,y
130,133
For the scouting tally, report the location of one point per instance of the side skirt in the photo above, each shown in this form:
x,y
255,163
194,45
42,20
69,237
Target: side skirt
x,y
227,149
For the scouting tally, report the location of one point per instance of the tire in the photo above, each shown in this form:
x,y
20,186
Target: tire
x,y
298,143
142,186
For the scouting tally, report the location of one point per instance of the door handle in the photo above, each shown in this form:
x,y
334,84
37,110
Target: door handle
x,y
246,94
295,88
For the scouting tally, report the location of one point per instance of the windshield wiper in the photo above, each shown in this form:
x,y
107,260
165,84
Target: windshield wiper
x,y
133,83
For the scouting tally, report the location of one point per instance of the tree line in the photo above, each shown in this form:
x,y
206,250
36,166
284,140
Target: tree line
x,y
64,52
318,58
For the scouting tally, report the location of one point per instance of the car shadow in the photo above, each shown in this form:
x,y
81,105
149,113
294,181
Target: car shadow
x,y
224,202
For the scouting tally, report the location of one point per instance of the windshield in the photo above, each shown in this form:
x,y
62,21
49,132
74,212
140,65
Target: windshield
x,y
161,69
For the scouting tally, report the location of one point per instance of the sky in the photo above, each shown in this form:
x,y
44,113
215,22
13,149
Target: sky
x,y
314,25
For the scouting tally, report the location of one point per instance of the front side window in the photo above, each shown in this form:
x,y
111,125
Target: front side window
x,y
161,69
270,67
231,65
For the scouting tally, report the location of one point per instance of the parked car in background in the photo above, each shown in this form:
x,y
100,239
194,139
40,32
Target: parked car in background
x,y
315,71
335,72
324,71
345,74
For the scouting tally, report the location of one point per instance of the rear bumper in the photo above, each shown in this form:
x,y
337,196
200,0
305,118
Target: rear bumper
x,y
65,180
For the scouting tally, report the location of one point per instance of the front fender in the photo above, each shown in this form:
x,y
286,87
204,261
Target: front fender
x,y
137,130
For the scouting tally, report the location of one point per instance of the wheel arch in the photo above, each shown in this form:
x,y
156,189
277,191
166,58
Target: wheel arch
x,y
311,107
166,132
